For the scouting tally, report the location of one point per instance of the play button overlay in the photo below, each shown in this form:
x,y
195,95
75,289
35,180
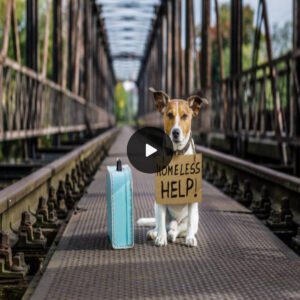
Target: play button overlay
x,y
150,150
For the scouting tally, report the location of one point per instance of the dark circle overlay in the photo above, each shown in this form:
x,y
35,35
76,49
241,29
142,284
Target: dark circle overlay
x,y
156,138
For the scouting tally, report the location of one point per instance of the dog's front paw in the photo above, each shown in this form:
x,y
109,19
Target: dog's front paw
x,y
161,240
152,234
172,235
191,241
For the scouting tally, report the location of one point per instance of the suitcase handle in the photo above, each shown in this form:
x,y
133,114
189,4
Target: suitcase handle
x,y
119,165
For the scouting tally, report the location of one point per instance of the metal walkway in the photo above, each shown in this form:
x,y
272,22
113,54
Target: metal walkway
x,y
236,258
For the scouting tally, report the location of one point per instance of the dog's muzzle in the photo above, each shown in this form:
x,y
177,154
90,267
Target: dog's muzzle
x,y
176,135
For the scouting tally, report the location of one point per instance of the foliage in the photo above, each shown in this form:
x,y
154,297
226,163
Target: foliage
x,y
248,31
121,101
43,10
282,38
248,28
21,21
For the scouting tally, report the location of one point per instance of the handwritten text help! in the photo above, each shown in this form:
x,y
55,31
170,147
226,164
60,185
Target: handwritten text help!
x,y
181,181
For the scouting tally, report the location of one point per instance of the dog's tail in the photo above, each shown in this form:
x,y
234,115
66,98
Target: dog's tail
x,y
146,222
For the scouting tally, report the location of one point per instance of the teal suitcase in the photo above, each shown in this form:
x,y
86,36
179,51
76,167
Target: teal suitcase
x,y
119,199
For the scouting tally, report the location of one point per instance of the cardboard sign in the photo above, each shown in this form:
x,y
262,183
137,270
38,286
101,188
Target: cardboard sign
x,y
181,181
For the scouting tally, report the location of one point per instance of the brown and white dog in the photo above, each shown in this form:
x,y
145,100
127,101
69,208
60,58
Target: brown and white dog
x,y
172,221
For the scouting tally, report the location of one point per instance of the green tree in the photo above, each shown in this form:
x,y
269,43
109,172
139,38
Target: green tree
x,y
121,102
21,21
247,46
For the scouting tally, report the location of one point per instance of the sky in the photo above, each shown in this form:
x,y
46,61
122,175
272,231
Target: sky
x,y
280,11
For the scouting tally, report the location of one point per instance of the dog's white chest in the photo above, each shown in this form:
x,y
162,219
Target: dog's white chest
x,y
190,149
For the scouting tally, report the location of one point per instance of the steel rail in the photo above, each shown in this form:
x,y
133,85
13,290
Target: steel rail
x,y
284,180
24,194
279,184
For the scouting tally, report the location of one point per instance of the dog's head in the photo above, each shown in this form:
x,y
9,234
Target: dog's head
x,y
177,115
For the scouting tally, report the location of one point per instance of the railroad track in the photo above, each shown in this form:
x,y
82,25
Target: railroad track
x,y
274,197
34,210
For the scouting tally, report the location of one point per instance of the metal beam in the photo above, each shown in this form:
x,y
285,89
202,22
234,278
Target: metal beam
x,y
296,97
205,61
127,56
188,47
276,97
219,40
176,48
32,34
169,52
235,118
297,66
236,37
71,42
57,42
151,38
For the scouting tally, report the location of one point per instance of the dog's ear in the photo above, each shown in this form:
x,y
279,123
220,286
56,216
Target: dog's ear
x,y
195,103
161,99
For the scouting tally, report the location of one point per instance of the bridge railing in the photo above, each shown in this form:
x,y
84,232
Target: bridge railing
x,y
79,95
246,103
32,105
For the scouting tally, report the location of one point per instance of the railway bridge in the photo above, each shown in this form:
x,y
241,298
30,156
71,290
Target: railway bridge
x,y
73,71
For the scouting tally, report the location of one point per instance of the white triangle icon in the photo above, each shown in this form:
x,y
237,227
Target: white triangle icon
x,y
150,150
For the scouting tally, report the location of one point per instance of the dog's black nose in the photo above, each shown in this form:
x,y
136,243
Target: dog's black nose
x,y
175,133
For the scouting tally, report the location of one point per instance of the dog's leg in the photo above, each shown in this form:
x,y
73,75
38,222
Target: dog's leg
x,y
182,229
176,230
161,239
173,231
152,233
193,219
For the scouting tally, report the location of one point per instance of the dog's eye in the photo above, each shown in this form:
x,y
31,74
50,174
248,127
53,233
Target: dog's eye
x,y
184,117
170,115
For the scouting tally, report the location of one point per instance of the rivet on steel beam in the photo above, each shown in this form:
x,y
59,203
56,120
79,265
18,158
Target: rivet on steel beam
x,y
281,222
19,264
69,200
221,180
52,198
42,215
261,207
80,183
12,268
52,213
60,195
206,170
68,183
9,203
28,237
232,188
61,191
296,241
213,174
247,195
